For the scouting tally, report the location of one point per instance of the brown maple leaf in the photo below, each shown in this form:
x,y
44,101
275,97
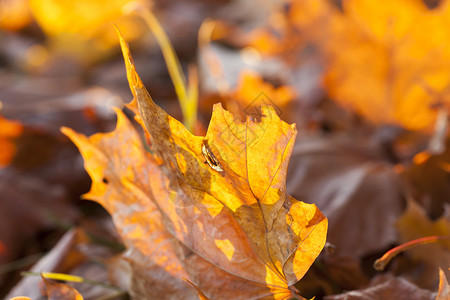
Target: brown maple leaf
x,y
211,209
386,287
360,194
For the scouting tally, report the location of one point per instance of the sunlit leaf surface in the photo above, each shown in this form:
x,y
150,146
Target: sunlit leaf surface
x,y
222,196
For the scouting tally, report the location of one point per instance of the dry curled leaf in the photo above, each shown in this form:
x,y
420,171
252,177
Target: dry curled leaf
x,y
127,189
211,209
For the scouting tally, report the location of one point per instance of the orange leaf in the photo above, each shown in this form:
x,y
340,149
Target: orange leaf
x,y
389,62
251,160
222,196
126,181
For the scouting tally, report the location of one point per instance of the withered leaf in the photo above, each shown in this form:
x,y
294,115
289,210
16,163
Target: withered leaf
x,y
127,188
62,258
386,287
284,233
233,231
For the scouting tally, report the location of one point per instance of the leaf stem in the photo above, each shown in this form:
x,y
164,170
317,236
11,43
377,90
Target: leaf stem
x,y
382,262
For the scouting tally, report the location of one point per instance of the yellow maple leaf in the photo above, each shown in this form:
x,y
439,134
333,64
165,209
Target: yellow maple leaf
x,y
221,196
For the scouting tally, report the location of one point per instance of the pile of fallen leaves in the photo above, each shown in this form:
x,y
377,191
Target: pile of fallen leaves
x,y
311,159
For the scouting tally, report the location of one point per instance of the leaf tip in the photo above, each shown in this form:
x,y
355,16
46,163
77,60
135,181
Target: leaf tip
x,y
67,131
133,78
